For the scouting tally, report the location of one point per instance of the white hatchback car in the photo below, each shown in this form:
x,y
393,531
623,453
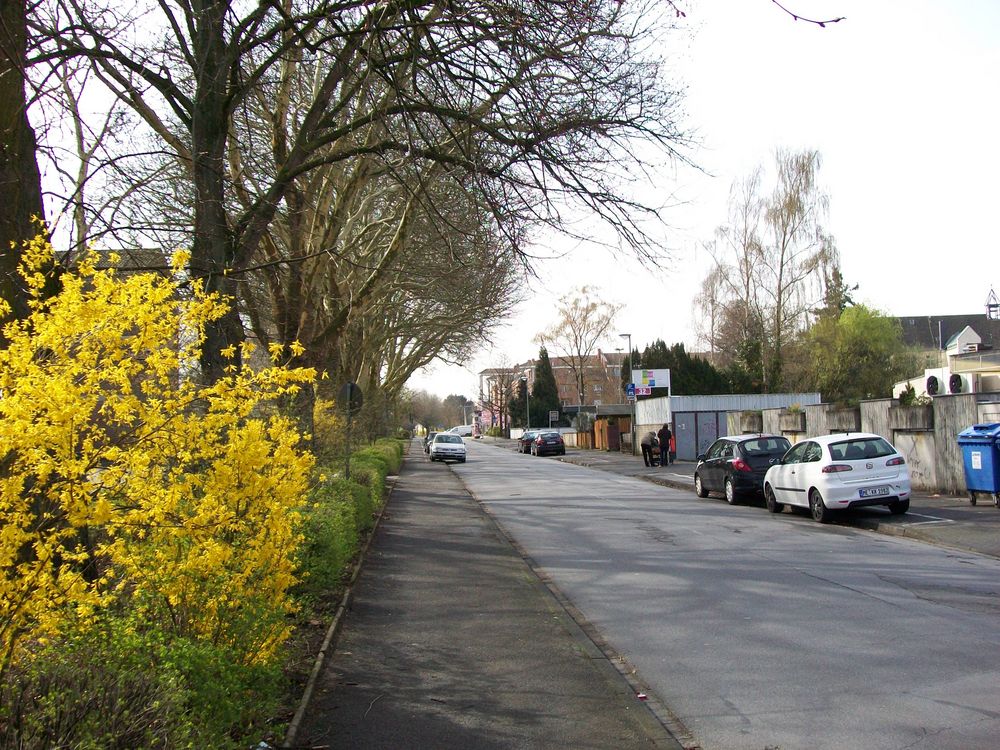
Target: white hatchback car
x,y
833,472
447,446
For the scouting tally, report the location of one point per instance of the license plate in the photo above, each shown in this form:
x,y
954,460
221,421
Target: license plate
x,y
873,492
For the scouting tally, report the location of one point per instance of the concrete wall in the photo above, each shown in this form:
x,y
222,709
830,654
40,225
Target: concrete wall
x,y
875,415
920,450
952,414
989,411
911,430
816,419
744,422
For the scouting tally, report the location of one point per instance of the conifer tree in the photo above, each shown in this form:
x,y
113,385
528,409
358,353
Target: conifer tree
x,y
545,393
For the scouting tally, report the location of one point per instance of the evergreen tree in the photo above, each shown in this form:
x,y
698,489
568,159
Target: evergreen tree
x,y
545,394
515,407
689,376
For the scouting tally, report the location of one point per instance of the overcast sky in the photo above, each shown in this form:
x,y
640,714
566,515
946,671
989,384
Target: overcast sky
x,y
901,99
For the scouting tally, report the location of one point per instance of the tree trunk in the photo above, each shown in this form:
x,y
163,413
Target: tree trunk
x,y
212,249
20,183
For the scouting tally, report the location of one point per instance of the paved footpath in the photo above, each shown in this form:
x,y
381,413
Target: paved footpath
x,y
453,642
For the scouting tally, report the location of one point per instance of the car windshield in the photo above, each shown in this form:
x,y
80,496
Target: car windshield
x,y
766,446
447,439
861,448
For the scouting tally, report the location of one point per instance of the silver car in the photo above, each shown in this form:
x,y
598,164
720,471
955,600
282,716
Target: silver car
x,y
447,446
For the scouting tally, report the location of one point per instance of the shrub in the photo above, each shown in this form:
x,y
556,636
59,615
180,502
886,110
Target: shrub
x,y
121,685
127,486
331,532
392,450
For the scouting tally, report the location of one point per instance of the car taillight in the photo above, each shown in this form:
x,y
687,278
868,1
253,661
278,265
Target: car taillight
x,y
835,468
538,441
740,465
898,460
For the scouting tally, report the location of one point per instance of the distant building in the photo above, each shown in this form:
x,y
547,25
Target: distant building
x,y
602,384
933,332
962,354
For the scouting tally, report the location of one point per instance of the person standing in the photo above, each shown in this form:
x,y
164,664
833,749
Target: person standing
x,y
647,443
664,435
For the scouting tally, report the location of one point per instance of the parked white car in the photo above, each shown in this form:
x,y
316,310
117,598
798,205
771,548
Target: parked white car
x,y
833,472
447,446
464,430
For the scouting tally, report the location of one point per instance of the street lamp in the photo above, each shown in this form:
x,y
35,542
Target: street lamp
x,y
527,406
629,337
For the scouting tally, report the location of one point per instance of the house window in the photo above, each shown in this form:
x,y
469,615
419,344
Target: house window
x,y
597,388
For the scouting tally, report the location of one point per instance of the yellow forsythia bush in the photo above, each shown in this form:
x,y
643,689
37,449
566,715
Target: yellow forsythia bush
x,y
124,482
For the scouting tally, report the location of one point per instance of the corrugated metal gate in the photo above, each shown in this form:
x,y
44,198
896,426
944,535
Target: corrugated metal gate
x,y
694,431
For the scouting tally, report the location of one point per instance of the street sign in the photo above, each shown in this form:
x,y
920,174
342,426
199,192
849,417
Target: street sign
x,y
553,416
644,390
630,390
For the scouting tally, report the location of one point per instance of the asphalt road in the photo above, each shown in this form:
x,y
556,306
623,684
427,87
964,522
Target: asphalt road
x,y
761,631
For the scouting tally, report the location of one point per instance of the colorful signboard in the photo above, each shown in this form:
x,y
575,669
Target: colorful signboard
x,y
651,379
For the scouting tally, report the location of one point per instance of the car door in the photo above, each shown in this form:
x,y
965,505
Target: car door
x,y
787,478
723,466
712,468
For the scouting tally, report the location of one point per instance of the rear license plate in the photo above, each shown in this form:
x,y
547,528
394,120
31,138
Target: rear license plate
x,y
873,492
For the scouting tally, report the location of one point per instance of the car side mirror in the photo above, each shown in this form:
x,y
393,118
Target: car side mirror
x,y
701,456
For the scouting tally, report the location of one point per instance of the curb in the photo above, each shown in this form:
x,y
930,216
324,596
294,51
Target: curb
x,y
338,618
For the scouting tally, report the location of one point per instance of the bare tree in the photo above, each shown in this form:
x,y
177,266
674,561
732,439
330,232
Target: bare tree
x,y
770,261
794,257
583,322
527,107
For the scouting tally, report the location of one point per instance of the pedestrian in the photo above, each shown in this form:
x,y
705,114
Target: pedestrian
x,y
664,435
648,442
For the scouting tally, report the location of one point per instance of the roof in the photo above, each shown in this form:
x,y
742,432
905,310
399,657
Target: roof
x,y
935,331
974,337
139,259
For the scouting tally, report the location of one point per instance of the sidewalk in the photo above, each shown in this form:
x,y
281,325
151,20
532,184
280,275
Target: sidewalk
x,y
944,520
452,641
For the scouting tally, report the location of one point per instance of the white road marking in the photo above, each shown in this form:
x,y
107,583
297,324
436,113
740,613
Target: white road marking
x,y
934,519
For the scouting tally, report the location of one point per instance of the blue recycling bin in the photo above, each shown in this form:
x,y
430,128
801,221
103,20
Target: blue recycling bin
x,y
981,459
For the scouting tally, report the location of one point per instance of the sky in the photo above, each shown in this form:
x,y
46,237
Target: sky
x,y
902,101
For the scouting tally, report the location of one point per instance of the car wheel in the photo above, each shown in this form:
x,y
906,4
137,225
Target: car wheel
x,y
461,460
773,506
899,507
699,488
730,492
819,511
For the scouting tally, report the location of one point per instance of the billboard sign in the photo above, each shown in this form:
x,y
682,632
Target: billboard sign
x,y
651,378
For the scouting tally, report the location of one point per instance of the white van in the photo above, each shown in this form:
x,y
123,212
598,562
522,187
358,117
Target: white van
x,y
465,430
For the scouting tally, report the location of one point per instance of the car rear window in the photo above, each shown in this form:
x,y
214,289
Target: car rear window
x,y
549,435
766,446
861,448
